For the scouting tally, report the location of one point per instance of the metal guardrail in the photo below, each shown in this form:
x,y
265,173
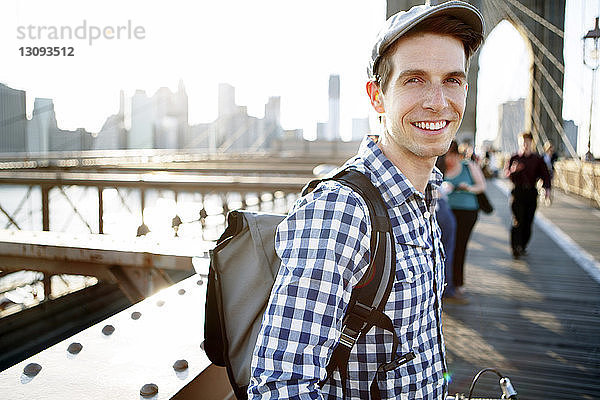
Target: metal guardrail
x,y
137,266
158,180
580,178
154,345
285,152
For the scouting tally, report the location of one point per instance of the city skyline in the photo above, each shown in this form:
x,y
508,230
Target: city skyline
x,y
276,54
195,41
158,121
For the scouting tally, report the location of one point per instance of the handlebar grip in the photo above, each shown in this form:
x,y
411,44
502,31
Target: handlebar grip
x,y
508,391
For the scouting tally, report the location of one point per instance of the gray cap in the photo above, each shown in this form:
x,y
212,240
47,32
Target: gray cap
x,y
403,21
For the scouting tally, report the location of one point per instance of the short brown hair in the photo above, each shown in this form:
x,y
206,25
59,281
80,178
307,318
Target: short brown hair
x,y
527,135
443,25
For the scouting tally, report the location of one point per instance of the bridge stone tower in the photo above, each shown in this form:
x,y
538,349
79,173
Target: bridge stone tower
x,y
541,22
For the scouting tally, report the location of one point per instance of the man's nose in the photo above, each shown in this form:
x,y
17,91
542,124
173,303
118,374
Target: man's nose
x,y
435,98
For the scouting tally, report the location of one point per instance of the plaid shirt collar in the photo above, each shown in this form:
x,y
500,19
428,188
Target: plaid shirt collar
x,y
394,186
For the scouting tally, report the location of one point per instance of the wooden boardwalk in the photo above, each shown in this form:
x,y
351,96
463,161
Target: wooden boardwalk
x,y
536,319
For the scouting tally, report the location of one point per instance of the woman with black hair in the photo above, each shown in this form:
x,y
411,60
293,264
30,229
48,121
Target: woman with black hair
x,y
466,180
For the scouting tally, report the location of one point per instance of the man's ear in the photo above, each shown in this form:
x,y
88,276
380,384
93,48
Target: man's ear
x,y
376,96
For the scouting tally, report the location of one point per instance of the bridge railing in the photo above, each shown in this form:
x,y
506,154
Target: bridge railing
x,y
580,178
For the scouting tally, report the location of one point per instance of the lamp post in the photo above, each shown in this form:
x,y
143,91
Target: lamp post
x,y
591,58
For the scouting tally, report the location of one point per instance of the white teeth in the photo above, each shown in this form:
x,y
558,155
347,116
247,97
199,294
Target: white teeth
x,y
431,126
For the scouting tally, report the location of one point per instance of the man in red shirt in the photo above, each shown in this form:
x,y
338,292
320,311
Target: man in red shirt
x,y
524,169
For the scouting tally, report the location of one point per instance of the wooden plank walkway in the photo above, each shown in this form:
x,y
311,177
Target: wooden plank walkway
x,y
536,319
575,217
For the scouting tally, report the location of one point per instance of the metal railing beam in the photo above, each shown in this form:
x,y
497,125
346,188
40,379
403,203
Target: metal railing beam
x,y
128,350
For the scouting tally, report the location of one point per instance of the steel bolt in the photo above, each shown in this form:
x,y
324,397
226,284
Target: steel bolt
x,y
74,348
180,365
149,390
181,291
32,369
160,303
136,315
108,330
200,282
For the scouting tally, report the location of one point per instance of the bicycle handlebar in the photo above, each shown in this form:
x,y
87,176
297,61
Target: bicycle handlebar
x,y
508,391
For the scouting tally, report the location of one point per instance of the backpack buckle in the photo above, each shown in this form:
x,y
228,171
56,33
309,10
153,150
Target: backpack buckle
x,y
358,319
348,337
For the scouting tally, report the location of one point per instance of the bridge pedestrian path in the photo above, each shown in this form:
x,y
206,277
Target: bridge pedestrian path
x,y
535,319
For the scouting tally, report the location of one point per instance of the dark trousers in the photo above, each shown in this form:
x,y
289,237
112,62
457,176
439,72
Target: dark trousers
x,y
465,221
447,223
524,203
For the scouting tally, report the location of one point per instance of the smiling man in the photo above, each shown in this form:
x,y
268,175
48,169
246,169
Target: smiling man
x,y
418,85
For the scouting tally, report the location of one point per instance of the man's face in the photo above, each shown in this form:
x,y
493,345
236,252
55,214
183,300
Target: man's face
x,y
526,144
425,99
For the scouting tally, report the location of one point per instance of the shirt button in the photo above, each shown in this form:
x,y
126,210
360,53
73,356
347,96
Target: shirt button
x,y
426,214
409,276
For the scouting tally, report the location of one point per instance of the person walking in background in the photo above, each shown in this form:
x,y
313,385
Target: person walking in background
x,y
524,170
489,166
466,180
550,158
447,222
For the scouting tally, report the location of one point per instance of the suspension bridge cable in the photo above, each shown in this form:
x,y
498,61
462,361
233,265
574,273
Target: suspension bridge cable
x,y
547,75
542,21
545,103
557,64
243,128
538,132
559,128
537,62
18,209
262,139
61,189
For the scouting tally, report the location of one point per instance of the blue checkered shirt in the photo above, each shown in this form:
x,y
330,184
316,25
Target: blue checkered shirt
x,y
324,246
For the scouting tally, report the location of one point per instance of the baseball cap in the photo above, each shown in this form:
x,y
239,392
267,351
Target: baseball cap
x,y
403,21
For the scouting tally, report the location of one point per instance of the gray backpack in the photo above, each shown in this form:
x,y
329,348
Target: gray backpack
x,y
243,268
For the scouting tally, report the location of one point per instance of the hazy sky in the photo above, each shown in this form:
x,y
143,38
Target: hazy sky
x,y
262,47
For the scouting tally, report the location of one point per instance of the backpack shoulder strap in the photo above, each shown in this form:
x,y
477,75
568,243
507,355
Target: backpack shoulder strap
x,y
370,295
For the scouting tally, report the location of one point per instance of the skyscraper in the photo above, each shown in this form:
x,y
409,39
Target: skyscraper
x,y
511,122
273,109
180,111
113,134
330,130
165,123
334,108
226,100
141,134
13,122
41,126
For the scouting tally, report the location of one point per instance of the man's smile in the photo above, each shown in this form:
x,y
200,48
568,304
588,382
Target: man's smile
x,y
432,126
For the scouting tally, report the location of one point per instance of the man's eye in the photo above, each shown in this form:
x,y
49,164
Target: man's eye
x,y
455,81
413,80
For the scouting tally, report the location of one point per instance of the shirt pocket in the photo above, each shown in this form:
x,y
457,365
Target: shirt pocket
x,y
412,292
